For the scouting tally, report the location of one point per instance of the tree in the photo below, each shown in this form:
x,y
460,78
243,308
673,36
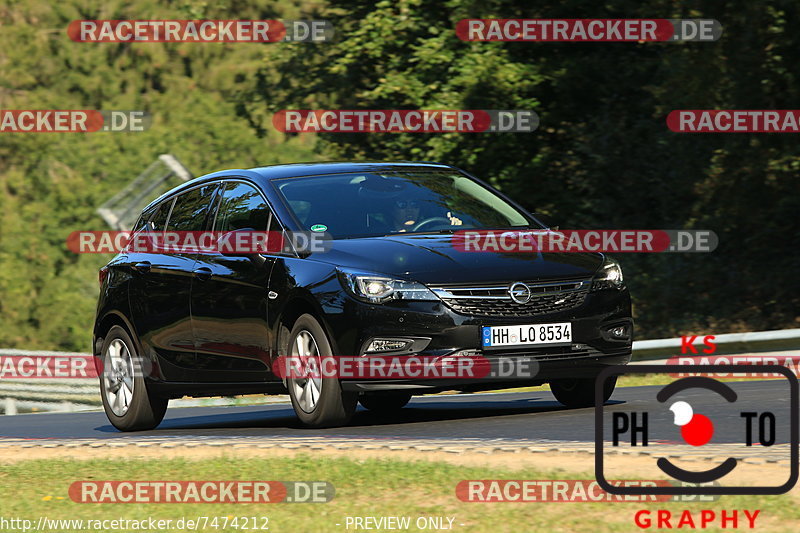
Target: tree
x,y
603,156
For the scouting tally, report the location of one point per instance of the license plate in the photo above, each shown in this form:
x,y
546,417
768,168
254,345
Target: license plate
x,y
527,335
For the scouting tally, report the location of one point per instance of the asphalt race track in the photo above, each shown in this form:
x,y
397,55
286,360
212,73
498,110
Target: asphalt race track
x,y
508,416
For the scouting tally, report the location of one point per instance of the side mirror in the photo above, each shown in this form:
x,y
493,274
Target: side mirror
x,y
547,220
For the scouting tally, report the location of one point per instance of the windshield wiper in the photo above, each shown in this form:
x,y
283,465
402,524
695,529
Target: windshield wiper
x,y
434,232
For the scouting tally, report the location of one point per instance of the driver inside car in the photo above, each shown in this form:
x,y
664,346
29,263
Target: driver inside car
x,y
406,215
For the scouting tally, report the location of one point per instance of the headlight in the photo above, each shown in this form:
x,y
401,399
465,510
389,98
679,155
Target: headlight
x,y
609,276
377,288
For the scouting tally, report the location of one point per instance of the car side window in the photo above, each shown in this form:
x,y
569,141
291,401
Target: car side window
x,y
191,209
142,222
158,221
242,207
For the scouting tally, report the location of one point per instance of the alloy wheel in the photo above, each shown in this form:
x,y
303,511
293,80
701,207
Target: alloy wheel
x,y
118,377
307,386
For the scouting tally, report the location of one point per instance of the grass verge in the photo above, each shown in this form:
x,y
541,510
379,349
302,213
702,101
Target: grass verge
x,y
364,487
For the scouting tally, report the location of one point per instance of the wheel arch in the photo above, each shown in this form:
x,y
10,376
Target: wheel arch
x,y
104,325
298,304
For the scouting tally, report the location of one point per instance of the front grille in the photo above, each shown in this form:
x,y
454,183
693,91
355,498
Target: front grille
x,y
495,301
539,305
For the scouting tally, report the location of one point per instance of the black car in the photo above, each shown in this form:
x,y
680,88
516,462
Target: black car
x,y
391,284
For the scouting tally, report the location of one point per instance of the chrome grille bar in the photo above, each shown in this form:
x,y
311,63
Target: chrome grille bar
x,y
537,289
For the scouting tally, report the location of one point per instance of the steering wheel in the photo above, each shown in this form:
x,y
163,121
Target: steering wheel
x,y
431,220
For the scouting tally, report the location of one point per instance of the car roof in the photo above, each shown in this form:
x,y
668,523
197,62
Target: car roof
x,y
299,170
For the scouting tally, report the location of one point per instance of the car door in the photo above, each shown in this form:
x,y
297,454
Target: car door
x,y
229,298
161,283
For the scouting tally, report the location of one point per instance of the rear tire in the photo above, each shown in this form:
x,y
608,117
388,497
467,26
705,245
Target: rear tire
x,y
128,404
319,402
384,402
579,392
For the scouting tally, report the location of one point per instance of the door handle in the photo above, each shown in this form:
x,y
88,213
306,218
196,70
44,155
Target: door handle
x,y
202,273
142,266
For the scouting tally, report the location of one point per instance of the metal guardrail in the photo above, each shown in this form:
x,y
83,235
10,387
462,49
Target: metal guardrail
x,y
79,394
726,344
47,394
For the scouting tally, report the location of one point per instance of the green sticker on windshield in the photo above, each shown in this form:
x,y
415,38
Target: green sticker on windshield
x,y
319,227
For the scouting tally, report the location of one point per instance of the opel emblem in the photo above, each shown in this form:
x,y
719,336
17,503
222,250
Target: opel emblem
x,y
520,293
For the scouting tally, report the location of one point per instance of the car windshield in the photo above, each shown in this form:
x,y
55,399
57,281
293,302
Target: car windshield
x,y
373,204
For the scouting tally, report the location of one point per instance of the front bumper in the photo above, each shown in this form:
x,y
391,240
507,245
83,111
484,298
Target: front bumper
x,y
448,333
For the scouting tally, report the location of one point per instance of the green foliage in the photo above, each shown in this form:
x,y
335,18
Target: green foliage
x,y
51,183
603,156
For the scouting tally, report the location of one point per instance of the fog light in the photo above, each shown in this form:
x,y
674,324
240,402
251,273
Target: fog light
x,y
620,332
388,345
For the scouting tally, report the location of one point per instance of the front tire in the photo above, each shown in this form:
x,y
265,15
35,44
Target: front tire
x,y
128,404
319,402
580,392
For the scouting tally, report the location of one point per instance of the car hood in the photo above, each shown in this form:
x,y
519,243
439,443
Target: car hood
x,y
432,259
